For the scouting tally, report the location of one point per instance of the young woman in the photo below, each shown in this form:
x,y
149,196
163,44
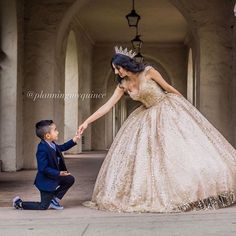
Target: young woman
x,y
166,156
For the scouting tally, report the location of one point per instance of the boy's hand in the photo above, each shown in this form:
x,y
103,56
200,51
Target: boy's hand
x,y
64,173
77,136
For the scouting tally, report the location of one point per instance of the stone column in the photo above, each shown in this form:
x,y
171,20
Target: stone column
x,y
216,75
11,85
234,77
40,32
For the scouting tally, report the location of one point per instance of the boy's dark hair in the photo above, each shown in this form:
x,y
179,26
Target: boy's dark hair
x,y
43,127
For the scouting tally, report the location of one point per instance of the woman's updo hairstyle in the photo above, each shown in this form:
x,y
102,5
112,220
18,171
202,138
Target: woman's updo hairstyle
x,y
127,63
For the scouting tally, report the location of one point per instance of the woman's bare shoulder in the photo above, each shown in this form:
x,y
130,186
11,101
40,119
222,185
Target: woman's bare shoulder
x,y
150,71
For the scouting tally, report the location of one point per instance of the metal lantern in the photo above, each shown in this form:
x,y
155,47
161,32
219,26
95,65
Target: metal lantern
x,y
136,41
133,18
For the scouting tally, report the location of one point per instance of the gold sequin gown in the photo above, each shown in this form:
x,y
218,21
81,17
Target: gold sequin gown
x,y
166,157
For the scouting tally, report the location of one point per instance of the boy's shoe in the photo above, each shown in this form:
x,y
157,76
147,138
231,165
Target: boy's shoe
x,y
55,205
17,203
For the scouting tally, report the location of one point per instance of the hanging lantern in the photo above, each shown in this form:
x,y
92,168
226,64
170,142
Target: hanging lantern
x,y
133,18
136,41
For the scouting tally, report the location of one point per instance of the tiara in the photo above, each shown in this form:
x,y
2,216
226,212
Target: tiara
x,y
125,52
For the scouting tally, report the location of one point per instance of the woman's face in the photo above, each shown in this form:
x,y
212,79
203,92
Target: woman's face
x,y
119,71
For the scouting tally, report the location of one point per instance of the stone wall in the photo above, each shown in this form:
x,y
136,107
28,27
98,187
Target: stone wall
x,y
11,85
234,79
210,23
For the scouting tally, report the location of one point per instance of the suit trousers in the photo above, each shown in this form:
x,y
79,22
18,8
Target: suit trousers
x,y
65,182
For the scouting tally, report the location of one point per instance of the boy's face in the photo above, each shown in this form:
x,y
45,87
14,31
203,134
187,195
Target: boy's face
x,y
53,134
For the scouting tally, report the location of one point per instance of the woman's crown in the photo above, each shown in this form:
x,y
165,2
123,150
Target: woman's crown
x,y
125,52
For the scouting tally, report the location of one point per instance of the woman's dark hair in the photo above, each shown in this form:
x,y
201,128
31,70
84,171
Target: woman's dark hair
x,y
43,127
127,63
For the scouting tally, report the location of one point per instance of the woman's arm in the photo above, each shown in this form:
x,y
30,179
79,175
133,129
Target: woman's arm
x,y
118,93
156,76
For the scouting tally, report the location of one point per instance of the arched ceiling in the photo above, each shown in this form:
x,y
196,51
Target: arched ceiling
x,y
104,21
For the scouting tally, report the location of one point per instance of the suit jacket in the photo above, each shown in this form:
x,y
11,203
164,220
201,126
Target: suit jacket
x,y
47,178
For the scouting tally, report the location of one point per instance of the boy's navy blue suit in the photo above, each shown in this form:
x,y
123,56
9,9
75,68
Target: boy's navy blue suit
x,y
48,180
48,176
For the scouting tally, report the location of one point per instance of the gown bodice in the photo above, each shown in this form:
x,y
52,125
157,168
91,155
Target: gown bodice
x,y
150,93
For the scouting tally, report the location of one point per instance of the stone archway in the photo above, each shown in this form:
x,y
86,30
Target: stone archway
x,y
69,23
69,20
70,17
71,91
193,42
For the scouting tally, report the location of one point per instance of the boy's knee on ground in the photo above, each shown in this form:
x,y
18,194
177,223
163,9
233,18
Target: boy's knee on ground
x,y
44,207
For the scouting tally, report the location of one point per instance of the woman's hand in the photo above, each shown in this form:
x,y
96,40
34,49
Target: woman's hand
x,y
82,128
